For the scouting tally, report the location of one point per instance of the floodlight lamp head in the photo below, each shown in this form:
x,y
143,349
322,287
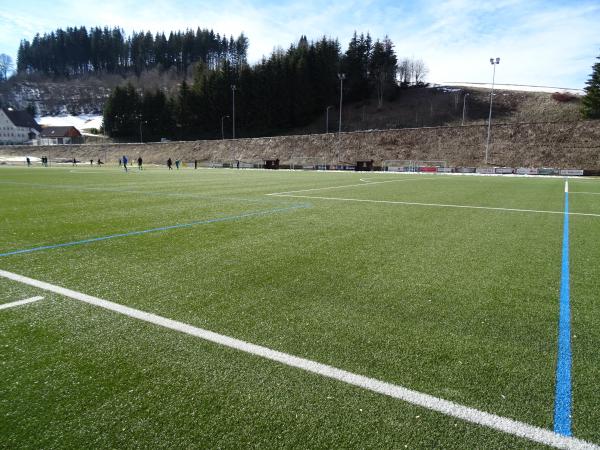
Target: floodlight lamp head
x,y
497,60
491,60
342,76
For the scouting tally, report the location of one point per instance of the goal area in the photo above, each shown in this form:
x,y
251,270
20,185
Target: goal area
x,y
412,165
247,164
307,163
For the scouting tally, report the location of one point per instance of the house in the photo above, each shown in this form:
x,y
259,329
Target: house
x,y
17,127
59,135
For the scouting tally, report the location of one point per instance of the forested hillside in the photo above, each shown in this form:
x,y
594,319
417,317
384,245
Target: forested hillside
x,y
286,90
186,85
75,51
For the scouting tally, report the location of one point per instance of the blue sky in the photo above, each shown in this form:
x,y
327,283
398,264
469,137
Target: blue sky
x,y
539,42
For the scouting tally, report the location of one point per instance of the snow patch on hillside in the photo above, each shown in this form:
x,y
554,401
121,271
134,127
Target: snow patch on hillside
x,y
514,87
81,122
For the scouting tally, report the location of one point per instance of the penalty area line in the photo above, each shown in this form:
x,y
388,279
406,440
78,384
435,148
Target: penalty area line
x,y
21,302
439,205
503,424
364,183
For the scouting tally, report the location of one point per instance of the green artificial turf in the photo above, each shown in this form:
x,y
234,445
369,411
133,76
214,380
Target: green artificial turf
x,y
458,303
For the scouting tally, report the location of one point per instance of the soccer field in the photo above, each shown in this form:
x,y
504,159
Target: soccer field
x,y
222,308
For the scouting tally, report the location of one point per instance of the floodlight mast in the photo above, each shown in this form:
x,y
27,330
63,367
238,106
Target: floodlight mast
x,y
342,77
487,144
464,108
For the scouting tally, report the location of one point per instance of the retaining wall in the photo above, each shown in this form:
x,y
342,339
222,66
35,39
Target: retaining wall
x,y
562,144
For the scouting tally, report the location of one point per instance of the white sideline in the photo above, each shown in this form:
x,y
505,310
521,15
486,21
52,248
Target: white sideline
x,y
368,183
582,192
20,302
440,205
430,402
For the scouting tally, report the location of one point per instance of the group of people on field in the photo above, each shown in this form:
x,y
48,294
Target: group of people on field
x,y
43,160
177,163
123,162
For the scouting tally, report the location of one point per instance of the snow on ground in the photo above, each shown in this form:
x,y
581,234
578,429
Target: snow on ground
x,y
81,122
18,159
515,87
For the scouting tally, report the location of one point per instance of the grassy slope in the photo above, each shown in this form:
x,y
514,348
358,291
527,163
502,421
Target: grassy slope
x,y
434,107
458,303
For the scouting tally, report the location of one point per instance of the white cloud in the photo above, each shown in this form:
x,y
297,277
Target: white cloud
x,y
539,43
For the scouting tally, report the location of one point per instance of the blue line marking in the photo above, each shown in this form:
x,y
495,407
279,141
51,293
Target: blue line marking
x,y
563,396
152,230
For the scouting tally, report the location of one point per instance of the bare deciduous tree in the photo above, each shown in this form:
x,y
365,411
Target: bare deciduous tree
x,y
412,71
420,70
404,71
6,66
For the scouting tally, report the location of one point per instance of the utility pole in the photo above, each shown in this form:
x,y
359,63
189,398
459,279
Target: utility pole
x,y
141,137
233,89
327,119
222,131
487,144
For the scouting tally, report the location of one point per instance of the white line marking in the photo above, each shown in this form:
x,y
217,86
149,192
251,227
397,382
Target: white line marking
x,y
20,302
368,183
440,205
566,186
582,192
430,402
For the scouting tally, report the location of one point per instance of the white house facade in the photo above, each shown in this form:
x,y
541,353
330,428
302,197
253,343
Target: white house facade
x,y
17,127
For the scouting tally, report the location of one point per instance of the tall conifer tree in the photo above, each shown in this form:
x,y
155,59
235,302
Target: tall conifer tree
x,y
591,101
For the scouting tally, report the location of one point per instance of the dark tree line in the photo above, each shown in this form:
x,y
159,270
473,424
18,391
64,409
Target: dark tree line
x,y
591,100
77,51
286,90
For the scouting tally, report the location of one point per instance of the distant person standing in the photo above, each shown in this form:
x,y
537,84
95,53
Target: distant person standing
x,y
238,163
177,164
195,164
120,162
28,162
140,162
91,162
99,162
74,162
170,164
125,162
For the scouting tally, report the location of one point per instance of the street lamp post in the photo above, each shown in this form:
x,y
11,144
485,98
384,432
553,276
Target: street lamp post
x,y
464,108
487,144
342,77
222,131
141,137
233,89
327,119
